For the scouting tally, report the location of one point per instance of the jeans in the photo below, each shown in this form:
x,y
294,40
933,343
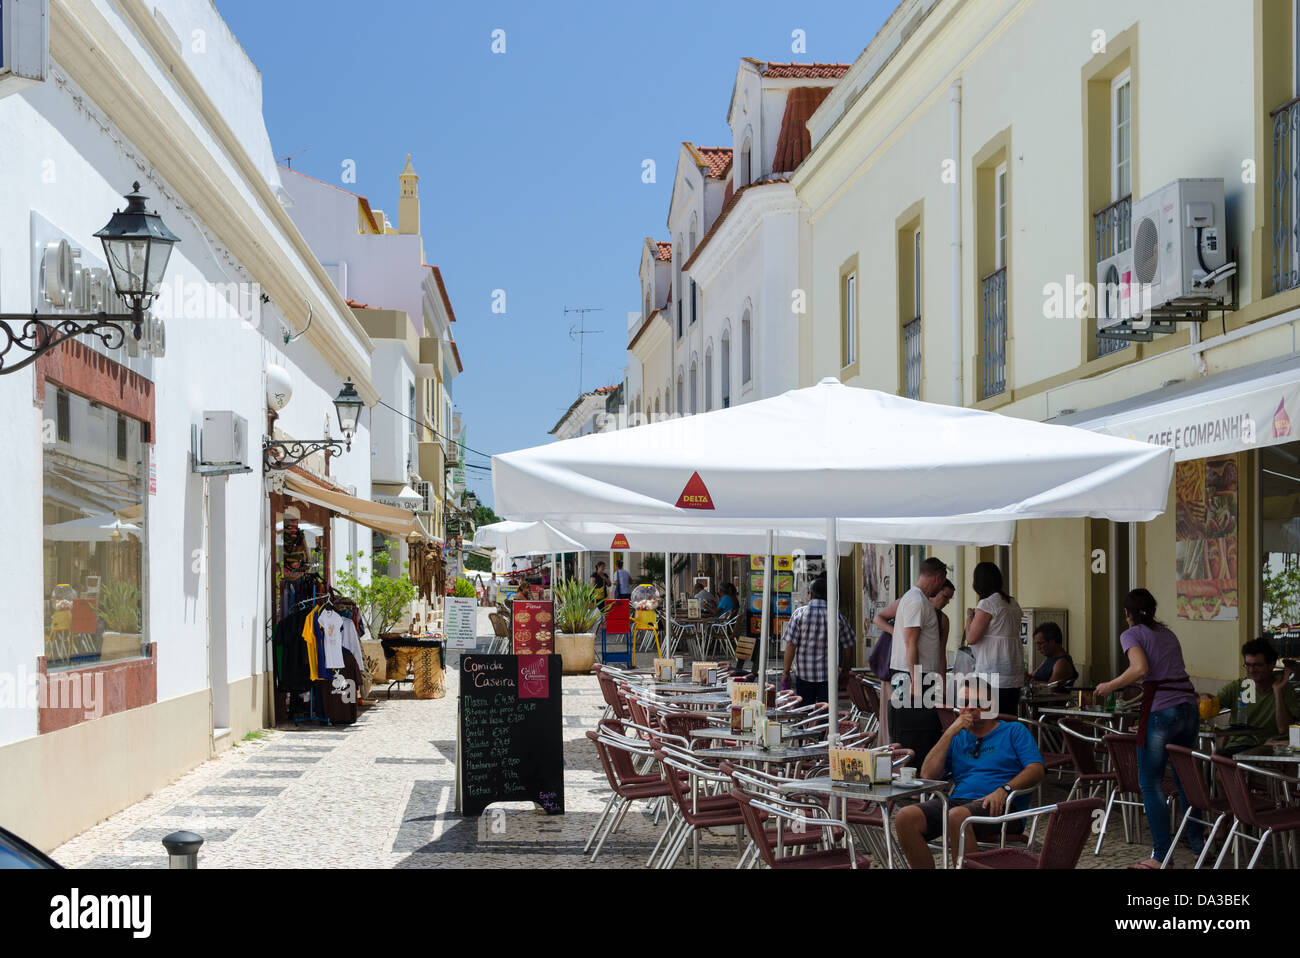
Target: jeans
x,y
1176,725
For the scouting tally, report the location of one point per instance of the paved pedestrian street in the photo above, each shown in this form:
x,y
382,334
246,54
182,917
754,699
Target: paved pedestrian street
x,y
380,794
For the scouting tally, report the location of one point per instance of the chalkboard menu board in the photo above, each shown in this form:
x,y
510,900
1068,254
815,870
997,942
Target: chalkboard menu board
x,y
511,745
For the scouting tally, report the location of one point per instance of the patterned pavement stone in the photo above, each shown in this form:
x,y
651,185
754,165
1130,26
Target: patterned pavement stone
x,y
380,794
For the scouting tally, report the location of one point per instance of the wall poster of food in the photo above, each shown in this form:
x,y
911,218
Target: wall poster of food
x,y
1206,539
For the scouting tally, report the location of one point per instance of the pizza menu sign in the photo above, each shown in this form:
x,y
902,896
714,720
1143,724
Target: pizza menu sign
x,y
534,628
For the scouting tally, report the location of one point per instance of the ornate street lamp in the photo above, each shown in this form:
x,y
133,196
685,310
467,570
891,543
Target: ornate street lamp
x,y
137,245
278,455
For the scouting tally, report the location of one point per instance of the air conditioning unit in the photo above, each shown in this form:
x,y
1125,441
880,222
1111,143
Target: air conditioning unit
x,y
1030,622
1179,243
1117,299
223,440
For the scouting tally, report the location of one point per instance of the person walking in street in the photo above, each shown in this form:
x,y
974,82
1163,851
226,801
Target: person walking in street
x,y
993,633
918,663
601,581
805,647
622,581
1168,715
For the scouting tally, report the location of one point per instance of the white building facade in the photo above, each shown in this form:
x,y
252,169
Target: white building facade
x,y
136,649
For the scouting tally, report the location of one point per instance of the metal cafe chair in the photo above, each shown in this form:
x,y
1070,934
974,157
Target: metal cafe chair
x,y
1273,820
1068,826
771,843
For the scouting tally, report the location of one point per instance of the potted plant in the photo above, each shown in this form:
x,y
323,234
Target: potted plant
x,y
119,609
578,609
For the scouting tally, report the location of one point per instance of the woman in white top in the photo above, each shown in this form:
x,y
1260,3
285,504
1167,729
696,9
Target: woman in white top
x,y
993,633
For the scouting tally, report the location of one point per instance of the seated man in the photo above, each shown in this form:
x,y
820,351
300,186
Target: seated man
x,y
1057,666
1271,702
708,601
987,760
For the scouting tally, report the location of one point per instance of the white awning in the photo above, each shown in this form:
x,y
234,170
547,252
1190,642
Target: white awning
x,y
372,515
1245,408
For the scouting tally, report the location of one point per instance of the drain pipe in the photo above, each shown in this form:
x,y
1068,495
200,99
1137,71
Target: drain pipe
x,y
958,351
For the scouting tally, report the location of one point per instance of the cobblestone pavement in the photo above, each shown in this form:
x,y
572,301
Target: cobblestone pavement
x,y
379,794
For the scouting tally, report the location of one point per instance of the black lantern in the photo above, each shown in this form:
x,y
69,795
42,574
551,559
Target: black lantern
x,y
137,245
349,404
281,454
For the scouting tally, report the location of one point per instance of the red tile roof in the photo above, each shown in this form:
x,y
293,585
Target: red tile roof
x,y
726,211
442,288
665,251
828,71
794,141
718,159
355,305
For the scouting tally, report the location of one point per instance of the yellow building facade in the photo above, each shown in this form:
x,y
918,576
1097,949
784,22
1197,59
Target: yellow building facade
x,y
968,176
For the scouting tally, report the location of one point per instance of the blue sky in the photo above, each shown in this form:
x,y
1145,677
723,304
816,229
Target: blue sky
x,y
530,161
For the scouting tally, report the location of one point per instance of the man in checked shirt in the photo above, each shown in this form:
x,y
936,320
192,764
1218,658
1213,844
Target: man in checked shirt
x,y
805,646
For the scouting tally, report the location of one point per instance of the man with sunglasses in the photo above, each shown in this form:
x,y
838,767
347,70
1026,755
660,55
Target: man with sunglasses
x,y
1269,700
987,760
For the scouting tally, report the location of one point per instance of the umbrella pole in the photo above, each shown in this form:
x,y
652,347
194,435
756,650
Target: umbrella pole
x,y
832,631
766,627
668,601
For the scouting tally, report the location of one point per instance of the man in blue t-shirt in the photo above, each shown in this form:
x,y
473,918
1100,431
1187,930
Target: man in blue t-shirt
x,y
986,759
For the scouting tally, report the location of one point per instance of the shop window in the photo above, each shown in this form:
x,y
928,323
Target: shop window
x,y
93,514
24,43
1279,496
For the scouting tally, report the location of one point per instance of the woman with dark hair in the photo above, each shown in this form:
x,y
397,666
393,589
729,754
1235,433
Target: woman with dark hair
x,y
993,634
1168,716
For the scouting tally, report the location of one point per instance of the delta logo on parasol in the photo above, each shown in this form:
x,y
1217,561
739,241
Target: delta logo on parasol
x,y
620,542
695,495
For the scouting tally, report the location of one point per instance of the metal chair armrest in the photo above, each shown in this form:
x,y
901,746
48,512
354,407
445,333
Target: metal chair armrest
x,y
1002,820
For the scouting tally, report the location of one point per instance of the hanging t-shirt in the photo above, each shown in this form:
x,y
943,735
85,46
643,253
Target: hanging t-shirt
x,y
329,625
352,641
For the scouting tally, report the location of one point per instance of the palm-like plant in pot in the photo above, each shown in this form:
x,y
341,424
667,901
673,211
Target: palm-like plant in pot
x,y
578,610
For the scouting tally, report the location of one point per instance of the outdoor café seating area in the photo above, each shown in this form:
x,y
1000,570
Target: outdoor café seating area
x,y
673,747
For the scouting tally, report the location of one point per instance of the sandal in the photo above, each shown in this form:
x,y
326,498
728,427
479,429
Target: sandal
x,y
1149,864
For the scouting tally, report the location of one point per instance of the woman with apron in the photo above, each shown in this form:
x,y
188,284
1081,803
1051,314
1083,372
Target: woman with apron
x,y
1168,714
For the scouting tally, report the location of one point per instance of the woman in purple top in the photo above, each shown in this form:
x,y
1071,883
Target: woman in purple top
x,y
1169,713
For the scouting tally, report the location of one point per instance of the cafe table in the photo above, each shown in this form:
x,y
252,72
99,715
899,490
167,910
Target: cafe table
x,y
724,733
1278,754
705,699
766,757
882,795
1116,718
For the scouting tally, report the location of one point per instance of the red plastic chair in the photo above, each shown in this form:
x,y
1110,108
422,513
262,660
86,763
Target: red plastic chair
x,y
1068,826
1202,807
1271,820
627,784
1083,753
764,839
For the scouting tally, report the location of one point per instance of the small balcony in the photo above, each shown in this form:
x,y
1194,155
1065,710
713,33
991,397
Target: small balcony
x,y
1286,196
1113,233
912,359
995,333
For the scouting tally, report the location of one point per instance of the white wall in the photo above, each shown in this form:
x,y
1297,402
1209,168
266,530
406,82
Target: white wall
x,y
73,174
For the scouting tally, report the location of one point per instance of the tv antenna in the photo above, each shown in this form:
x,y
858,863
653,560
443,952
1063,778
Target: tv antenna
x,y
288,160
580,332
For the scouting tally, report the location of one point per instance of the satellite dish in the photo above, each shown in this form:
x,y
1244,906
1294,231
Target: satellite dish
x,y
279,387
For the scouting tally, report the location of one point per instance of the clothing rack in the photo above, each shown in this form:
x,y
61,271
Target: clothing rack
x,y
322,593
